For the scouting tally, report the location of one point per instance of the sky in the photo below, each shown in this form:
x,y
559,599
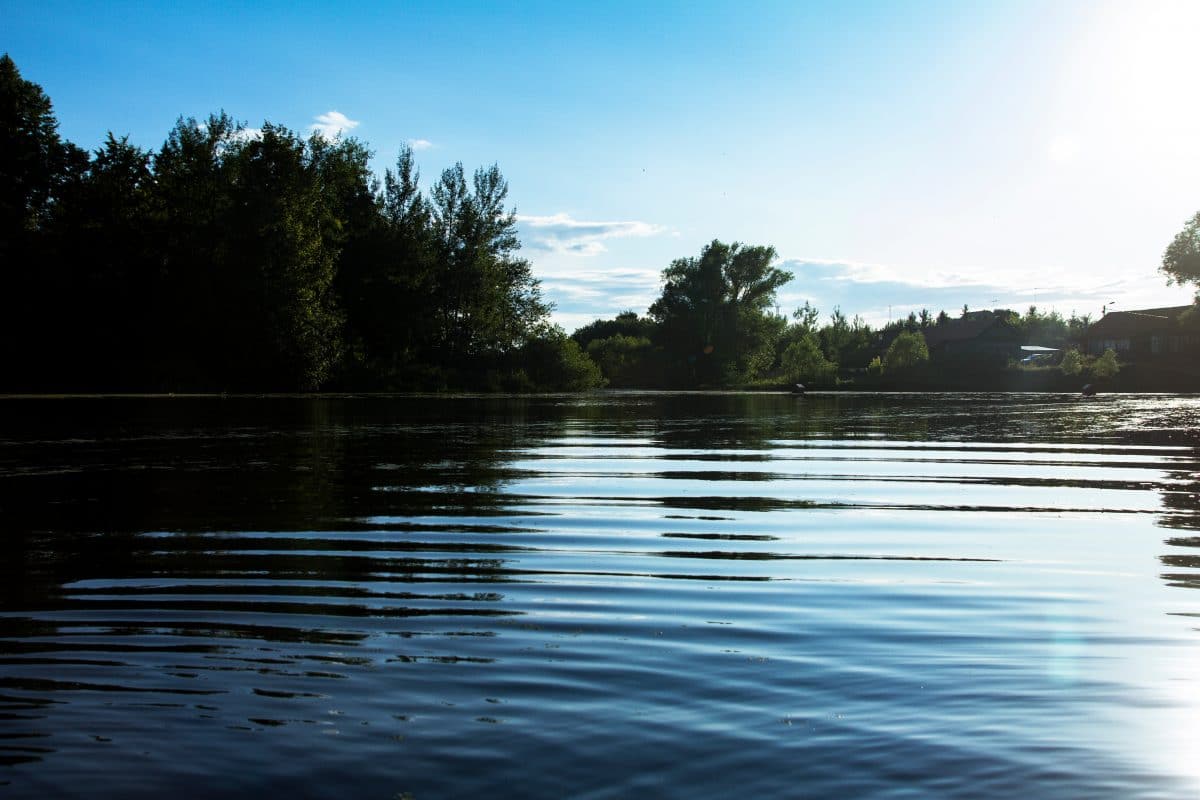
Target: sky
x,y
897,155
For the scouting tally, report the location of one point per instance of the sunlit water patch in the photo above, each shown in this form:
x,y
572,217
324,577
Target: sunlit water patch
x,y
600,596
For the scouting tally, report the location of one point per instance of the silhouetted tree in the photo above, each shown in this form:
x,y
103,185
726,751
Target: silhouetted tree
x,y
486,301
35,167
1181,261
712,313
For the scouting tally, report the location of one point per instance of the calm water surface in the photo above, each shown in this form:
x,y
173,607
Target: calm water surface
x,y
611,595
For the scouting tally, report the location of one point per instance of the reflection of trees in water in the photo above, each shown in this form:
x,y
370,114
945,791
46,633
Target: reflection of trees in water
x,y
1181,504
755,420
241,538
234,491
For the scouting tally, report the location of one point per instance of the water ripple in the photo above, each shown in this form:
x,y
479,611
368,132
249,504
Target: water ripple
x,y
672,595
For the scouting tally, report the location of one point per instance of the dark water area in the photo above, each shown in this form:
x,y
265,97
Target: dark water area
x,y
610,595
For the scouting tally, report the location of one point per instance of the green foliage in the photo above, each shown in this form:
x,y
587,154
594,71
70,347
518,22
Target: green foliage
x,y
623,360
1072,362
712,314
804,362
283,230
555,362
1106,366
627,323
1181,261
485,300
835,336
1044,329
875,366
906,351
806,317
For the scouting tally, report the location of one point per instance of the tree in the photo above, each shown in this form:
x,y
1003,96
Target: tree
x,y
281,259
712,313
35,166
1106,365
385,279
1077,326
621,359
1043,328
627,324
806,317
33,159
905,352
1181,261
835,336
554,361
486,300
102,232
803,361
1072,362
252,231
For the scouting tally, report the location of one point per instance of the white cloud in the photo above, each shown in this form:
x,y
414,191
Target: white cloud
x,y
420,144
333,124
245,135
559,233
582,295
1063,149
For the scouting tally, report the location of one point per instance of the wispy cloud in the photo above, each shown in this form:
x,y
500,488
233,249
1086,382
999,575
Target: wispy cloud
x,y
582,295
332,124
420,144
559,233
879,292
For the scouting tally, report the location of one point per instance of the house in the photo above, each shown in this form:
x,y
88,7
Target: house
x,y
1145,334
985,335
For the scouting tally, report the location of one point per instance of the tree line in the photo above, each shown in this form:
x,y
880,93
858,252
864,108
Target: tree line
x,y
232,259
262,260
715,325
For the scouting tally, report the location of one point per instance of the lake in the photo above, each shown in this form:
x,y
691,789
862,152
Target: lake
x,y
603,596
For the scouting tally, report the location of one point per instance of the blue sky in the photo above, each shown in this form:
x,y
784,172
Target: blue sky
x,y
897,155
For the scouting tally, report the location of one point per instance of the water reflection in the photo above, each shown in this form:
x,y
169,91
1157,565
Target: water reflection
x,y
436,594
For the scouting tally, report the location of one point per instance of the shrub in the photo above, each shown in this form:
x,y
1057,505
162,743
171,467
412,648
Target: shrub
x,y
804,361
906,351
1072,362
1106,365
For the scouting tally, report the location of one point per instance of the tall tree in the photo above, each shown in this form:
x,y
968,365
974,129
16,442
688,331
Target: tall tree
x,y
387,278
281,261
33,159
1181,261
193,190
35,166
712,312
486,299
102,231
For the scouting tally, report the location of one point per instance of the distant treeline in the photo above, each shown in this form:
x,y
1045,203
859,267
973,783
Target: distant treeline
x,y
233,259
713,326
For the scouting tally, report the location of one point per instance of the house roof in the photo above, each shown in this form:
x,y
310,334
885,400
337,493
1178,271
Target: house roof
x,y
971,326
1143,322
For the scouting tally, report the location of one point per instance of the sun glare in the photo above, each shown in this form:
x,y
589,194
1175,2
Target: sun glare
x,y
1129,84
